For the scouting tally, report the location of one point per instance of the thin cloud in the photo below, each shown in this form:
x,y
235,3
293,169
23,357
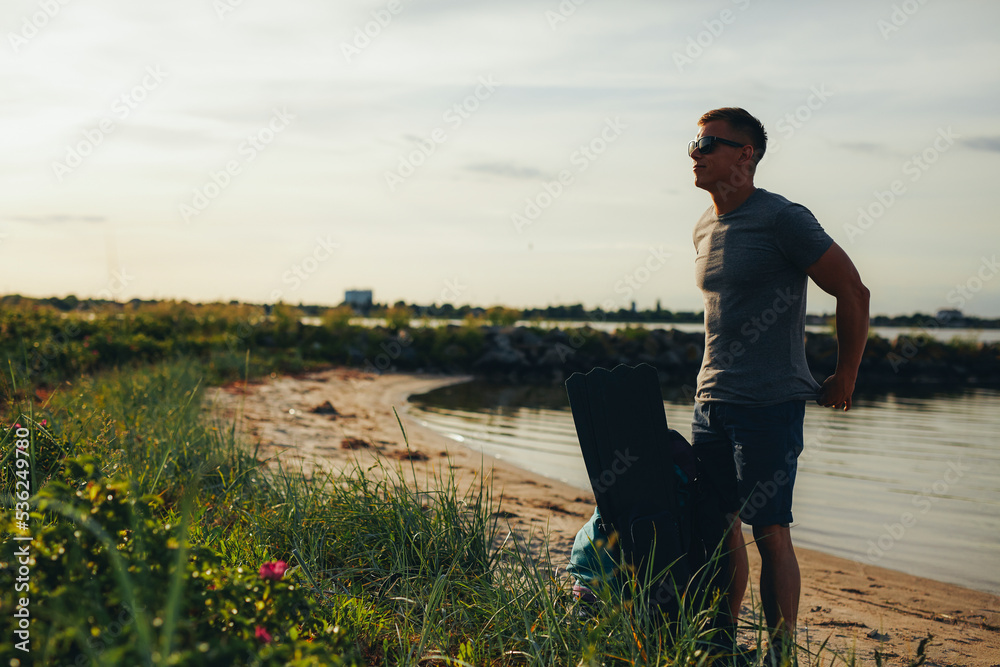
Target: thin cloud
x,y
863,146
991,144
56,219
506,169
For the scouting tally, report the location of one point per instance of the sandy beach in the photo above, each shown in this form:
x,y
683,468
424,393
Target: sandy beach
x,y
329,419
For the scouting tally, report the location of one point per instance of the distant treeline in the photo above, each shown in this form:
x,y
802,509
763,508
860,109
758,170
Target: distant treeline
x,y
45,346
504,315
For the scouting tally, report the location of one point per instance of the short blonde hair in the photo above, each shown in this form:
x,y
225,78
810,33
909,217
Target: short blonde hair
x,y
742,123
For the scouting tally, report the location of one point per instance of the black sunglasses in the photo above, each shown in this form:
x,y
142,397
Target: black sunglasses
x,y
706,145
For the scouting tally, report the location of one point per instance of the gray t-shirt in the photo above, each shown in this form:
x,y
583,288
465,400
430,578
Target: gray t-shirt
x,y
751,267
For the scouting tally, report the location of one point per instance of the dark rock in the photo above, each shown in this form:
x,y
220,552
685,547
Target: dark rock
x,y
325,409
409,455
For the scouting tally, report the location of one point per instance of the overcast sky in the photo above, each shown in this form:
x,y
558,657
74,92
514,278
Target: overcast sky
x,y
526,152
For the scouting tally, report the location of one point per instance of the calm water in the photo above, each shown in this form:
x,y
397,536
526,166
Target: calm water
x,y
908,483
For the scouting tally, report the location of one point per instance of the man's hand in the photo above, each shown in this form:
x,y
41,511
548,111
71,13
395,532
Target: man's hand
x,y
836,392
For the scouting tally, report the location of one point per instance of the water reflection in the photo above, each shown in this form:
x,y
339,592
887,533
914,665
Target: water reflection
x,y
910,482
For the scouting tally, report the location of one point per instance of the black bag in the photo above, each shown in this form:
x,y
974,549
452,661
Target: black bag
x,y
669,526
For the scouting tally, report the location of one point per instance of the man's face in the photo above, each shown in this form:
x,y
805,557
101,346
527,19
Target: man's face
x,y
721,165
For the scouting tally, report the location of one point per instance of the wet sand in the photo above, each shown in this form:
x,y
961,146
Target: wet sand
x,y
855,605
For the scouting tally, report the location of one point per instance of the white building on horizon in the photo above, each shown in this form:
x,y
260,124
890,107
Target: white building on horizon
x,y
359,299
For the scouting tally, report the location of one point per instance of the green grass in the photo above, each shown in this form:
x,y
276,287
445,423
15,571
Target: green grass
x,y
151,519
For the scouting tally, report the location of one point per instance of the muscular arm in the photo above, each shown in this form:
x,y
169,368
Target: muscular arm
x,y
835,274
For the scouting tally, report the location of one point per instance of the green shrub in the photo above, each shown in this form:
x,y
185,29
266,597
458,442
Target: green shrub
x,y
114,581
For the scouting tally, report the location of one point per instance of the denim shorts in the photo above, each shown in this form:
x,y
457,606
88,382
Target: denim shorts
x,y
748,455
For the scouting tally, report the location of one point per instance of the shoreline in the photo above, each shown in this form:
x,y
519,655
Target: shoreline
x,y
855,605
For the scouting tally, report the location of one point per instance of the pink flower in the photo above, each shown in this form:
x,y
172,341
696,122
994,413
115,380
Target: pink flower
x,y
273,570
262,635
44,422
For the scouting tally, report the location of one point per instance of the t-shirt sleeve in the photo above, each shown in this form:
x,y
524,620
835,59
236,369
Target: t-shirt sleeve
x,y
800,237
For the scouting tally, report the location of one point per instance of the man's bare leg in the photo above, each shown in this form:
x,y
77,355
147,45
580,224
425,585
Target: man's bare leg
x,y
739,567
780,582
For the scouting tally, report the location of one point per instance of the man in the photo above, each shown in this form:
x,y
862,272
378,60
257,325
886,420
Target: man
x,y
755,253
